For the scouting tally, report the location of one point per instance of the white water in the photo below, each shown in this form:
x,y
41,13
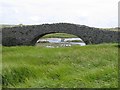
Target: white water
x,y
62,41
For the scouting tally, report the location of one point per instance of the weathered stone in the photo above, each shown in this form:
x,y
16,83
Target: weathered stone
x,y
28,35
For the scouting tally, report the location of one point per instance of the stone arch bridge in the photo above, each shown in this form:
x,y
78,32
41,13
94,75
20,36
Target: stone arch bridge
x,y
28,35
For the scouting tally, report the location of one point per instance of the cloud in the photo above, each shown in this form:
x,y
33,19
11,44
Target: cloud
x,y
97,13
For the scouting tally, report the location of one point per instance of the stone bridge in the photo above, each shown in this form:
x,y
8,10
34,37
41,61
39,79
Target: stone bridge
x,y
28,35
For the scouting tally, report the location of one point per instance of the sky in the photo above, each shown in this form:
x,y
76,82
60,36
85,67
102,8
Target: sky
x,y
94,13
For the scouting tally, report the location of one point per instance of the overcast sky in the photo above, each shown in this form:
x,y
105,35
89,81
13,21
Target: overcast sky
x,y
95,13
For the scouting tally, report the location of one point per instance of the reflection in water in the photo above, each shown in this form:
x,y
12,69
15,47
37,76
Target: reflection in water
x,y
59,42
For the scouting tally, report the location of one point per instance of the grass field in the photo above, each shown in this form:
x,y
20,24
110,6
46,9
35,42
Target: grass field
x,y
92,66
59,35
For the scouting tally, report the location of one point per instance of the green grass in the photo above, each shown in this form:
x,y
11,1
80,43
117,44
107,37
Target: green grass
x,y
59,35
92,66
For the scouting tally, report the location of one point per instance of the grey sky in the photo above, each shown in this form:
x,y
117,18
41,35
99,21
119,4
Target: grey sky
x,y
96,13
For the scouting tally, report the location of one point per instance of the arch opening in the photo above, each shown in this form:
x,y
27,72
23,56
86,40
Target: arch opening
x,y
58,40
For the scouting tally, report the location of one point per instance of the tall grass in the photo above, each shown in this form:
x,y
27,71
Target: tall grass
x,y
94,66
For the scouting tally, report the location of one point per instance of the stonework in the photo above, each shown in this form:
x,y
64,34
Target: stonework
x,y
28,35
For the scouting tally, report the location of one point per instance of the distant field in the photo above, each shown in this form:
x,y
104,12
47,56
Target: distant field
x,y
3,26
111,29
59,35
92,66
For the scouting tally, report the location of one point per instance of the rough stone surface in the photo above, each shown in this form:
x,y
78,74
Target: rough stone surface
x,y
28,35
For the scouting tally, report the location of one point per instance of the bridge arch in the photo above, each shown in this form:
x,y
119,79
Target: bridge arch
x,y
28,35
34,40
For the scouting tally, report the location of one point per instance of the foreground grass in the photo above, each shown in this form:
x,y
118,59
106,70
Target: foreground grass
x,y
92,66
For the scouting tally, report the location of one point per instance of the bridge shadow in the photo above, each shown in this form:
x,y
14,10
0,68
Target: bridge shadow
x,y
118,46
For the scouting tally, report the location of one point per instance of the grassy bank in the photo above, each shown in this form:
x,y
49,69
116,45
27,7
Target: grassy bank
x,y
59,35
93,66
